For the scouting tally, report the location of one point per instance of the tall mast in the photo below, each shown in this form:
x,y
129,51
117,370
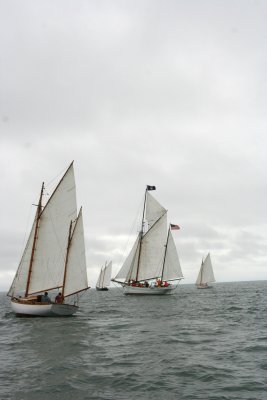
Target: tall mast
x,y
66,261
166,246
38,213
142,232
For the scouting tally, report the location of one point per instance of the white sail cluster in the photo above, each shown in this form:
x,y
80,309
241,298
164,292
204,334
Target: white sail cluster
x,y
104,276
50,253
205,274
154,253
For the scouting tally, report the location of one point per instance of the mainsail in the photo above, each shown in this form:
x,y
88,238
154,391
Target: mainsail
x,y
152,251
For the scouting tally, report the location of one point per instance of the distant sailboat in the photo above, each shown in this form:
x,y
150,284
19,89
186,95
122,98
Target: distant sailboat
x,y
153,262
104,277
205,274
54,256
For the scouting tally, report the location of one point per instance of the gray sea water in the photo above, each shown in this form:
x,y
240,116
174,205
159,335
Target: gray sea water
x,y
195,344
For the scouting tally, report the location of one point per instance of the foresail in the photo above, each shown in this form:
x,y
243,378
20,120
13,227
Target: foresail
x,y
76,275
20,281
152,250
54,222
154,210
128,269
172,268
207,274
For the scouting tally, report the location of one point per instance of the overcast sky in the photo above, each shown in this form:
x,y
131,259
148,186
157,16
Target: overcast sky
x,y
171,93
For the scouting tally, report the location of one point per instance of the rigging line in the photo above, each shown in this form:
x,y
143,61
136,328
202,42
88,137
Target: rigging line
x,y
55,178
118,286
20,269
132,229
27,233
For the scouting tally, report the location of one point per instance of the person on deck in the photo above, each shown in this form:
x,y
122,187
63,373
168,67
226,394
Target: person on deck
x,y
59,298
159,282
45,298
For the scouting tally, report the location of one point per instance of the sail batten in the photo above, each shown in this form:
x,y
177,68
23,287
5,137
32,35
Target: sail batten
x,y
78,291
45,290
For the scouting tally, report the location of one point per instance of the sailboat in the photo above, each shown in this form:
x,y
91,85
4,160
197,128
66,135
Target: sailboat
x,y
104,277
153,263
205,274
54,256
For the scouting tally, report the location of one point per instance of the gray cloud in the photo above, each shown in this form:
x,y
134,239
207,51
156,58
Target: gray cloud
x,y
137,93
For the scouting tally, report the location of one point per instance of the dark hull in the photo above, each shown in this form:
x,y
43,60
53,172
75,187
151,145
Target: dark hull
x,y
102,289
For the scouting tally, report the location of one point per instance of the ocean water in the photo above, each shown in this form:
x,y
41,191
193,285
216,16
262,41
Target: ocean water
x,y
195,344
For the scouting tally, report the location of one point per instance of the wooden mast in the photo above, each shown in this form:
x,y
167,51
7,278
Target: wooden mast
x,y
165,252
66,261
142,232
38,214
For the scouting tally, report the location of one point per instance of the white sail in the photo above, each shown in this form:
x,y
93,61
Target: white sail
x,y
107,274
76,274
145,261
50,250
154,210
152,250
205,274
129,267
104,276
100,278
20,281
172,268
199,277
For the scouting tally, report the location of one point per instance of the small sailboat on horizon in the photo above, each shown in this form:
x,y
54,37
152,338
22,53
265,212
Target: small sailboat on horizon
x,y
205,274
54,256
104,277
153,263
